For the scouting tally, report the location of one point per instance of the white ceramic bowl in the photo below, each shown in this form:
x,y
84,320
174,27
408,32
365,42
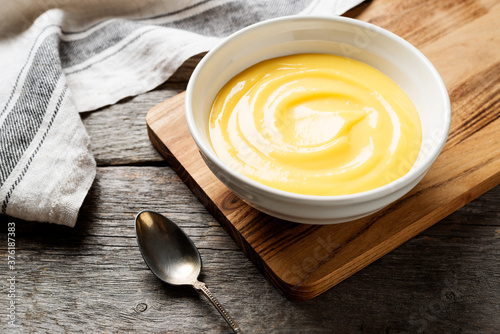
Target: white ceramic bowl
x,y
347,37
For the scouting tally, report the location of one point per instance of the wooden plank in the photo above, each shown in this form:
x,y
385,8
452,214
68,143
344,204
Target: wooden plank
x,y
468,166
276,247
424,22
92,277
124,121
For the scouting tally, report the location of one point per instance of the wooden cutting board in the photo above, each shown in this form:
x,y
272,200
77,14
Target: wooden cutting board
x,y
461,39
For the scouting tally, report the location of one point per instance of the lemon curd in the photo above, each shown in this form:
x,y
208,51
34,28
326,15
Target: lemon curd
x,y
315,124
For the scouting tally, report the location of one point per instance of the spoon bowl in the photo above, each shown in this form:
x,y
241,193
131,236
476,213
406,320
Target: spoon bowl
x,y
172,256
167,250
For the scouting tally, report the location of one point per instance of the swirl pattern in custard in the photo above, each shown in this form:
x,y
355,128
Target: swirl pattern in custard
x,y
315,124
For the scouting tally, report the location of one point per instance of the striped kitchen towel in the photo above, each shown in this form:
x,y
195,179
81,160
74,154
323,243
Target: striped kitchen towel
x,y
69,56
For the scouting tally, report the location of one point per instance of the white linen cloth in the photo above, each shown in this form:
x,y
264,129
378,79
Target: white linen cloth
x,y
85,54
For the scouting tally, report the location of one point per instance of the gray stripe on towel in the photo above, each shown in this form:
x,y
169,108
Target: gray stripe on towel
x,y
234,15
35,152
24,120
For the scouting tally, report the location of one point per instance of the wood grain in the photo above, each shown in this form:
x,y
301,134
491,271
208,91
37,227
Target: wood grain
x,y
91,279
288,254
125,122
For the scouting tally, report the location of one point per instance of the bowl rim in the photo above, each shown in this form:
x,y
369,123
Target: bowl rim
x,y
394,186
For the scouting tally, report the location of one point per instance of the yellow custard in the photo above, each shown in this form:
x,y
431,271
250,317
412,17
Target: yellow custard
x,y
315,124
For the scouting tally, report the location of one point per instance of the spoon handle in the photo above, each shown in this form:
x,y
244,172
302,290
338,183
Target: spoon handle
x,y
202,288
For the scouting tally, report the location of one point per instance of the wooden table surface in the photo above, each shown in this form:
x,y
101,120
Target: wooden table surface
x,y
92,277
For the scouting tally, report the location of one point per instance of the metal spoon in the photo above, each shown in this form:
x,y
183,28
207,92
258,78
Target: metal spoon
x,y
172,256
